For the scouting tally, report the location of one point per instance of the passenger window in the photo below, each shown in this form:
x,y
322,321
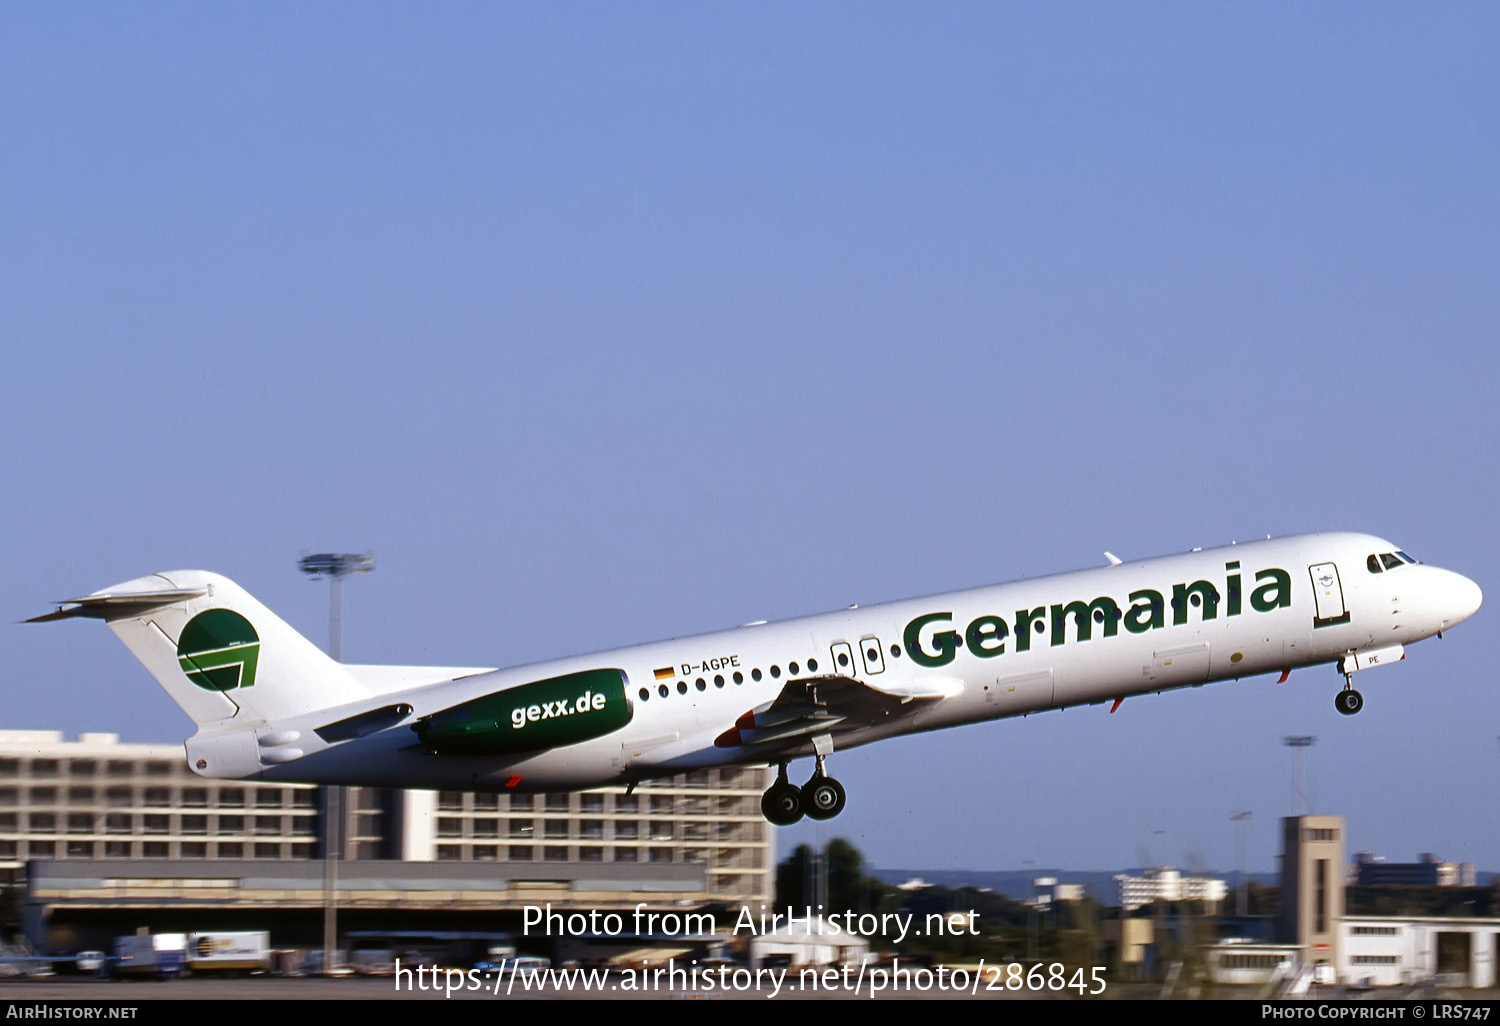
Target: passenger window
x,y
1373,564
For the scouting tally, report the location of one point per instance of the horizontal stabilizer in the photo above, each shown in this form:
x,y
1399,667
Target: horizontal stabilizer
x,y
116,605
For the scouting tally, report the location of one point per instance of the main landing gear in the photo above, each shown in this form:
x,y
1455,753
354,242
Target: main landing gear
x,y
1348,701
784,803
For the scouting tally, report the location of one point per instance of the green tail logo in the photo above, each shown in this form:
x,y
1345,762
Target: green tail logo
x,y
219,650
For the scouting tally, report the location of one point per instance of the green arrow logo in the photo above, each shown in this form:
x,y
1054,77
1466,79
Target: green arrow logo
x,y
219,650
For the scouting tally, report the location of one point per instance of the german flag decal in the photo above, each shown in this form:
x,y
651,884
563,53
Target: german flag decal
x,y
664,673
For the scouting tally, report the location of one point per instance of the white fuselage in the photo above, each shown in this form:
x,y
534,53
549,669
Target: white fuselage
x,y
993,652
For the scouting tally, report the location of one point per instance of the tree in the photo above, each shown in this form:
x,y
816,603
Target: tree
x,y
850,888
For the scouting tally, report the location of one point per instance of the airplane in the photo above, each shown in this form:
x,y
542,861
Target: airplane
x,y
269,705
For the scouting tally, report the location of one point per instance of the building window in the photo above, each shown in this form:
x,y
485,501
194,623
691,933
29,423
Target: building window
x,y
522,828
195,797
556,827
194,850
40,849
231,797
9,796
626,855
588,853
155,825
7,822
43,795
627,829
519,853
449,853
119,798
660,830
485,853
42,822
80,795
659,855
486,802
627,803
160,797
522,802
117,849
80,849
158,769
154,849
268,798
554,853
450,827
80,823
117,823
83,767
451,801
485,827
230,850
195,824
591,802
557,803
119,768
305,798
232,824
267,825
264,850
44,767
592,829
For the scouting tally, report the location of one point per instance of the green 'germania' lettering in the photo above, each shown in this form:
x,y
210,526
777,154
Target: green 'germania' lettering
x,y
944,643
984,634
931,640
1102,608
1279,584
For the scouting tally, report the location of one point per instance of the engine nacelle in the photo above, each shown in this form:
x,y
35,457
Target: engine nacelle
x,y
531,717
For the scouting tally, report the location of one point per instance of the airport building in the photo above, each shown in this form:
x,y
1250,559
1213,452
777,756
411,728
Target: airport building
x,y
1317,942
1373,871
1167,884
699,836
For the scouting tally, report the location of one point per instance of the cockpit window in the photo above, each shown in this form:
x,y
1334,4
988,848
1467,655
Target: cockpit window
x,y
1405,556
1373,564
1390,560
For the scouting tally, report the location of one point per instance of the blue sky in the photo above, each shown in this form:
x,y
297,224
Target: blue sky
x,y
607,323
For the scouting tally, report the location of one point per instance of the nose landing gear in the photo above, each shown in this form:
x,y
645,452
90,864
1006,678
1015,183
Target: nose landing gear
x,y
1348,701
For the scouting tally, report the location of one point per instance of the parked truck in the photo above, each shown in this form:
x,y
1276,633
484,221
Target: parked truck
x,y
143,953
244,951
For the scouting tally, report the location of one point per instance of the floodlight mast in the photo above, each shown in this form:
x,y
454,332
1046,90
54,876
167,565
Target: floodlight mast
x,y
335,566
1299,745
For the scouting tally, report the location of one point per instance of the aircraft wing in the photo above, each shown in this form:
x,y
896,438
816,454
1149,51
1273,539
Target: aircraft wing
x,y
831,705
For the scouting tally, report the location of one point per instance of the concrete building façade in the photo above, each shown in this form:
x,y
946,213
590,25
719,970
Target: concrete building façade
x,y
95,817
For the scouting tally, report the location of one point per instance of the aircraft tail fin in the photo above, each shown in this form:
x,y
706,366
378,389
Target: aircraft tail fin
x,y
217,651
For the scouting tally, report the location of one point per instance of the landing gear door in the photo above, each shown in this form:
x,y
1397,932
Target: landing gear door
x,y
869,650
1328,594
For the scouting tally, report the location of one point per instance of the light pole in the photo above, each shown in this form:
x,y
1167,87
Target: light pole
x,y
1240,819
1299,746
334,566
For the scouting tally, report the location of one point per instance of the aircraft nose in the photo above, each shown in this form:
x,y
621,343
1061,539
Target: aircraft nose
x,y
1461,598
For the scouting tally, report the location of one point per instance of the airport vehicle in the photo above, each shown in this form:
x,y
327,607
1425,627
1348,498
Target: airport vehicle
x,y
269,705
162,955
239,951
